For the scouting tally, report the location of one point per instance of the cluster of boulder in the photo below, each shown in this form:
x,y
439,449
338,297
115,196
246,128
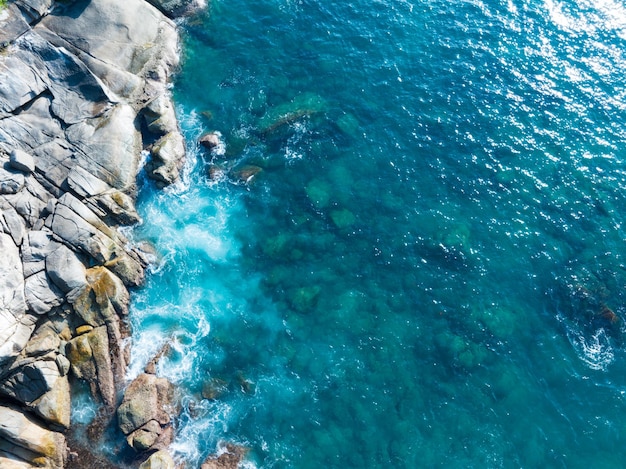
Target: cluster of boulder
x,y
83,92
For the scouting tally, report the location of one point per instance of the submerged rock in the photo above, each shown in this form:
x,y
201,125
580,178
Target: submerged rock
x,y
245,173
319,193
343,218
228,456
348,124
214,388
301,106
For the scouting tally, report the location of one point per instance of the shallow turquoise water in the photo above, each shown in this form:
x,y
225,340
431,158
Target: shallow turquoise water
x,y
428,270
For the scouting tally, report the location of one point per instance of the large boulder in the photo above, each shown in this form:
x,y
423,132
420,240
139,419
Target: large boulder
x,y
103,297
55,405
41,293
144,414
101,198
82,229
159,460
22,438
159,116
65,269
167,157
22,161
134,40
108,146
37,377
13,224
91,361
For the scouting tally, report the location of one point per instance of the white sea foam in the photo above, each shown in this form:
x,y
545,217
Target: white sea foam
x,y
206,422
84,408
596,351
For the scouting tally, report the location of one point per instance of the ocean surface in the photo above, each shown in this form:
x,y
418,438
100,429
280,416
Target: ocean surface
x,y
409,250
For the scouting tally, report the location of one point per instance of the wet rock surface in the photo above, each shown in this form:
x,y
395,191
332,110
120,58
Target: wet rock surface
x,y
144,415
83,91
228,457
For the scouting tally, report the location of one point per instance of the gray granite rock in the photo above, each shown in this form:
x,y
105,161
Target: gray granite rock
x,y
30,379
175,8
76,78
101,198
33,10
13,224
36,247
41,293
160,116
103,298
16,325
22,161
108,147
10,182
65,269
42,343
167,157
81,228
135,38
19,82
84,184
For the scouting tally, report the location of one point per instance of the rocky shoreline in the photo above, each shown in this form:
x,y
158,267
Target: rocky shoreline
x,y
83,94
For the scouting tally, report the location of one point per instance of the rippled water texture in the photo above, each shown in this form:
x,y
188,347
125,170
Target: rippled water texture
x,y
425,266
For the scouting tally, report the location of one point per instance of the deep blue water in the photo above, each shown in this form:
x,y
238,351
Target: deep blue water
x,y
428,270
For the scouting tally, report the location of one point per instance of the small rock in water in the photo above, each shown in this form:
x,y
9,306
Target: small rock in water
x,y
245,173
247,386
228,456
211,140
216,173
214,388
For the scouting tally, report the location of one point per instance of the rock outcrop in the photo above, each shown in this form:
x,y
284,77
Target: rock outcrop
x,y
144,415
83,92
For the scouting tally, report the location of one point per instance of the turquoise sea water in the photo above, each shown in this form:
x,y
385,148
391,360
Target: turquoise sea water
x,y
429,269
